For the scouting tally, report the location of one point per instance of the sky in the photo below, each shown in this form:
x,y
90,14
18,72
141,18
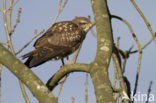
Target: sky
x,y
39,14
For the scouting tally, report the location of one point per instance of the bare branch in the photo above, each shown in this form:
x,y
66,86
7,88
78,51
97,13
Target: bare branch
x,y
73,100
145,20
86,89
3,43
60,89
93,33
17,21
131,30
60,9
7,26
1,10
149,91
116,60
76,55
9,16
137,75
12,5
143,47
0,81
24,92
30,41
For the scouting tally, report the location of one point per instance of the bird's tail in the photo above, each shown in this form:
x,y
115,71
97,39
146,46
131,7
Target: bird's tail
x,y
39,56
29,56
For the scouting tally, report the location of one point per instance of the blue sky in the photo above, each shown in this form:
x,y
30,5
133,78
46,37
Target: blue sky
x,y
39,14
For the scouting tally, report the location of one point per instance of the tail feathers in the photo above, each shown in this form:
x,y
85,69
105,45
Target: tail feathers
x,y
28,54
40,56
27,63
30,57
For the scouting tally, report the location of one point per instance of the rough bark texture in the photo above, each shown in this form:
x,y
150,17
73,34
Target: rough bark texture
x,y
35,85
99,68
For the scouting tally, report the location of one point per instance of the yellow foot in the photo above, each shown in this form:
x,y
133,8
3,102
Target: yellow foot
x,y
67,61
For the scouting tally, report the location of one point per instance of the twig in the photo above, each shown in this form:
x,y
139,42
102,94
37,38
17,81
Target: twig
x,y
125,59
59,10
23,92
143,47
116,60
6,27
117,98
145,20
9,38
128,86
93,33
137,75
124,65
12,5
115,75
130,28
76,55
1,10
73,100
3,43
118,42
91,30
0,81
86,89
64,5
30,41
149,91
60,89
9,16
17,21
149,42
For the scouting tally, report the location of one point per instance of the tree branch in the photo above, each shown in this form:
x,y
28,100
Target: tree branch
x,y
35,85
53,81
130,28
145,20
116,60
99,68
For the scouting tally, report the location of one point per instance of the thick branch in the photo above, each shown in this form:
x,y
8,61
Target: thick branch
x,y
99,68
36,86
53,81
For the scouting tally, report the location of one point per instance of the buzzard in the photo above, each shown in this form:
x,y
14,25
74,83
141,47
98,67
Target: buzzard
x,y
59,41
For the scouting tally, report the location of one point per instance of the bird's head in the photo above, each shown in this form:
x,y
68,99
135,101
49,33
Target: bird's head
x,y
83,22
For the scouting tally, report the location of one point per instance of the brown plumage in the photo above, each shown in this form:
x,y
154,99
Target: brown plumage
x,y
59,41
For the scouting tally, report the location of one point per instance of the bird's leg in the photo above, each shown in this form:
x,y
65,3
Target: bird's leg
x,y
68,60
62,61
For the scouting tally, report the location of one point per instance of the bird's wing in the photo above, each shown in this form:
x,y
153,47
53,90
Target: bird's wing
x,y
66,34
43,54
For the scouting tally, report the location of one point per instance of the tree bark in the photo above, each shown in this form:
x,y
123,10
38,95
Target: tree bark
x,y
99,68
35,85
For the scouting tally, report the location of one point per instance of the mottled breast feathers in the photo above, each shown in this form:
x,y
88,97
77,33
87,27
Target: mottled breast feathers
x,y
65,34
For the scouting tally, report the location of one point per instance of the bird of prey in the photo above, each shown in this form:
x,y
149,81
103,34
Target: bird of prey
x,y
59,41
